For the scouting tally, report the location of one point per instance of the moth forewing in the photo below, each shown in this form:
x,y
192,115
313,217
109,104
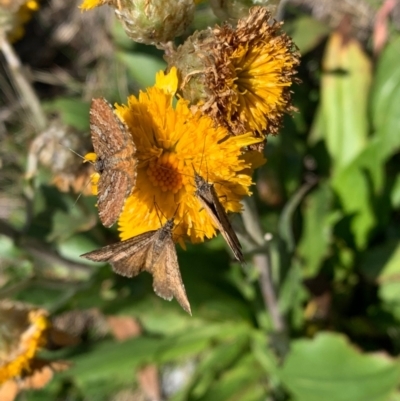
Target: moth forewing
x,y
167,280
208,197
153,252
116,162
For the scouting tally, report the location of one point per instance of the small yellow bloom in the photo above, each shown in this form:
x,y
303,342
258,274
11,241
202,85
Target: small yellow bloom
x,y
172,144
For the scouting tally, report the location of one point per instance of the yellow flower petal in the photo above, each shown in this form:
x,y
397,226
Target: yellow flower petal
x,y
89,4
172,144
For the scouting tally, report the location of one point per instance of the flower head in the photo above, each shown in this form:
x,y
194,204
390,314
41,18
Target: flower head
x,y
24,332
241,76
150,21
52,148
172,143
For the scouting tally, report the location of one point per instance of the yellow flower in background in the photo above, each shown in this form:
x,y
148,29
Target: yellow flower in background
x,y
22,336
14,14
26,330
89,4
240,76
172,143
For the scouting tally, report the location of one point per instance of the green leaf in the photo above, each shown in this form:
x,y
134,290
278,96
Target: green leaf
x,y
353,186
73,112
382,265
345,86
306,32
328,367
141,67
111,361
386,97
196,340
395,193
241,383
317,232
218,360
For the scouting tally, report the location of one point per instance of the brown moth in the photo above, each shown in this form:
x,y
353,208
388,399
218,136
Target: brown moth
x,y
208,198
154,252
116,162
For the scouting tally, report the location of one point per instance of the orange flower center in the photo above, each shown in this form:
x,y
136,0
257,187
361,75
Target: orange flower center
x,y
165,172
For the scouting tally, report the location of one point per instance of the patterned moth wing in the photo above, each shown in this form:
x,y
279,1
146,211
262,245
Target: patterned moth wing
x,y
154,252
116,162
207,196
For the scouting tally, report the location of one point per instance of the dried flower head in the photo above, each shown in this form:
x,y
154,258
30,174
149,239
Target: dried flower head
x,y
150,21
241,77
52,149
172,143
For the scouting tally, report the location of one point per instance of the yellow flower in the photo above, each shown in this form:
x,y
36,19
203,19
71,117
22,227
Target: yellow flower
x,y
240,76
24,332
172,144
23,335
13,16
89,4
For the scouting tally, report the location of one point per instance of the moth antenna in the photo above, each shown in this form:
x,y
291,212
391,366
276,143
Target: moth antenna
x,y
75,153
202,154
81,193
158,210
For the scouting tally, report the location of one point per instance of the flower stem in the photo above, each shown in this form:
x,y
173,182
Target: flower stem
x,y
24,87
261,260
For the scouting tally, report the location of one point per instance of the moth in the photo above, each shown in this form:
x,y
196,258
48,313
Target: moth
x,y
116,162
154,252
208,198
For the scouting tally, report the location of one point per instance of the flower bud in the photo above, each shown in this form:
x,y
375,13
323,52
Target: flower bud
x,y
150,21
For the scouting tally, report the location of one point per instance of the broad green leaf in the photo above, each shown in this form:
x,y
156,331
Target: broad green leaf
x,y
218,359
112,361
195,340
75,246
142,67
293,294
67,223
73,112
317,229
395,193
244,382
386,97
344,91
353,186
382,264
328,367
306,32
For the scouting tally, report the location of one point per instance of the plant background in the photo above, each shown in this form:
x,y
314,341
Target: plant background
x,y
328,200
